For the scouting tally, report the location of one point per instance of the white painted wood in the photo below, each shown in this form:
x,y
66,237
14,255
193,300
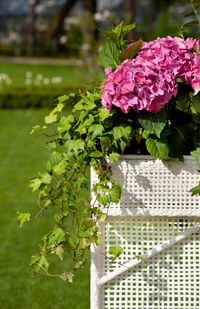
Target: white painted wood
x,y
150,254
158,220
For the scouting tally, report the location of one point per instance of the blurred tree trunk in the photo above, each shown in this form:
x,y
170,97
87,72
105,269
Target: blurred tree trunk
x,y
129,7
57,22
32,30
90,33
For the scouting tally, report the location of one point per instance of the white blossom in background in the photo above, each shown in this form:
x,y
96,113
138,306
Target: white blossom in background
x,y
28,74
5,79
39,80
46,81
28,81
39,77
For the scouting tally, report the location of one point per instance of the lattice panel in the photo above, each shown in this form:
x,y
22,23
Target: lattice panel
x,y
171,280
155,188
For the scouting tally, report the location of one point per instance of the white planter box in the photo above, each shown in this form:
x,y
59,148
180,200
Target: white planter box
x,y
155,210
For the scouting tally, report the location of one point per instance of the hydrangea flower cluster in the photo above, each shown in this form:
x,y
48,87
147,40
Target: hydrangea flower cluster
x,y
149,80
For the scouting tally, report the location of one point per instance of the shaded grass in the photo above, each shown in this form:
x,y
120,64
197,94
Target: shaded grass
x,y
21,155
71,75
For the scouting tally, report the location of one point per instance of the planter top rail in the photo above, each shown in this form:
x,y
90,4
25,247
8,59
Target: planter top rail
x,y
152,187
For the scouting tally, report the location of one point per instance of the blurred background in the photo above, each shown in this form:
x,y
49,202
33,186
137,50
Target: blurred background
x,y
50,48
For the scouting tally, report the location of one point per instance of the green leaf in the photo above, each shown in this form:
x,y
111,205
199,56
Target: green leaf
x,y
196,154
110,35
191,24
65,123
103,199
115,192
60,167
131,51
35,184
152,123
50,118
39,261
35,128
195,190
95,130
115,251
122,134
59,252
45,178
63,98
108,56
126,29
157,148
96,154
57,235
76,145
87,223
114,157
123,131
23,217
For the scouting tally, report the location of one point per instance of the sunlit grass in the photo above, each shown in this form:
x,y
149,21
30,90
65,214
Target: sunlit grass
x,y
21,155
68,75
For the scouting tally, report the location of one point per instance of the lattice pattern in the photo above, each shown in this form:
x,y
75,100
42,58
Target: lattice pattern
x,y
155,206
170,280
153,188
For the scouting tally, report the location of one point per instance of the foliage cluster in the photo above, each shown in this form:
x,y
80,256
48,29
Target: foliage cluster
x,y
91,135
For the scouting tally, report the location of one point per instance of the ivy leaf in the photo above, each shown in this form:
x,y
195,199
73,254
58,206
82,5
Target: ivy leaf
x,y
96,154
108,56
35,184
76,145
195,190
115,252
65,123
122,131
157,148
196,154
152,123
96,130
23,217
103,199
60,167
114,157
39,261
115,192
45,178
50,118
131,51
56,236
123,135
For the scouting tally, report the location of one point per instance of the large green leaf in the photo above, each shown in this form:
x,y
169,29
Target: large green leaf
x,y
157,148
108,56
152,123
115,193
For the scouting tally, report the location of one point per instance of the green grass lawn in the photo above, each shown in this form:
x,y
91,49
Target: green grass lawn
x,y
21,155
71,75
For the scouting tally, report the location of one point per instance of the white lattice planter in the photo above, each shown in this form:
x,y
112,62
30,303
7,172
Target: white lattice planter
x,y
158,219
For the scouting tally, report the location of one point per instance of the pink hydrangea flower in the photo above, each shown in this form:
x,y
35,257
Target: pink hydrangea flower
x,y
149,80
